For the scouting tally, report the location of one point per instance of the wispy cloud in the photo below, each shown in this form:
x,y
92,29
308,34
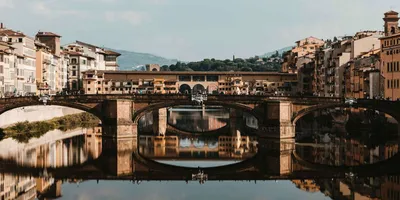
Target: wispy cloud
x,y
6,4
135,18
45,8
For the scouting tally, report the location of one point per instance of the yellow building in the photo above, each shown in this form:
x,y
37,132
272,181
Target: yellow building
x,y
163,82
390,55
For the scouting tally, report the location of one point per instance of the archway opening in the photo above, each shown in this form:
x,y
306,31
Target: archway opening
x,y
185,89
352,134
199,89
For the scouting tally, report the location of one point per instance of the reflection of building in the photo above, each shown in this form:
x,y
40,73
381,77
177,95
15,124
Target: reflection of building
x,y
125,82
237,146
54,149
306,185
160,147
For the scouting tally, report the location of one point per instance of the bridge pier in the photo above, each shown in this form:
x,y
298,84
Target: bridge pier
x,y
277,121
118,113
276,155
160,121
117,155
235,121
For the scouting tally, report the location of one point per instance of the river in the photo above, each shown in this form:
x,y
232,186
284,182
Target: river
x,y
215,153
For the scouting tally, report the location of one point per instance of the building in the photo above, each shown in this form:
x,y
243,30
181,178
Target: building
x,y
390,55
126,82
7,58
307,46
45,69
363,78
84,57
59,60
24,73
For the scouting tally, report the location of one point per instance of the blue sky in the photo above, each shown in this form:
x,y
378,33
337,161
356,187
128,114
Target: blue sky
x,y
195,29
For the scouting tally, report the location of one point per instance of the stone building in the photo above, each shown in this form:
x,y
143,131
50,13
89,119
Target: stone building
x,y
164,82
390,55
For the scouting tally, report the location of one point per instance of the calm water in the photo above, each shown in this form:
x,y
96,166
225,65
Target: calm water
x,y
190,153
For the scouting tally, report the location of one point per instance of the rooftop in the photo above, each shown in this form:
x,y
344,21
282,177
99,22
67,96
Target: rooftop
x,y
109,52
46,34
11,33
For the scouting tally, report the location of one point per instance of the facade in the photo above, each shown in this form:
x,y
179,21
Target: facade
x,y
23,63
45,69
390,55
24,70
7,58
307,46
126,82
84,57
58,62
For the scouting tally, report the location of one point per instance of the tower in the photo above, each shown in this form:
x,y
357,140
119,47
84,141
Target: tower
x,y
52,40
391,23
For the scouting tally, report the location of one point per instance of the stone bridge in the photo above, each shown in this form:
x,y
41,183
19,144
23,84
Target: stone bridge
x,y
276,115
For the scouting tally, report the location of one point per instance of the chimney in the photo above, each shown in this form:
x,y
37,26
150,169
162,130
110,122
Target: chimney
x,y
1,25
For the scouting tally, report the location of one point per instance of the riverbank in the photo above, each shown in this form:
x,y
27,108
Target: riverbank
x,y
23,131
34,114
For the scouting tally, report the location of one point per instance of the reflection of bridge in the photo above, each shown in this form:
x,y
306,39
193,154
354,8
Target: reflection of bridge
x,y
273,113
275,159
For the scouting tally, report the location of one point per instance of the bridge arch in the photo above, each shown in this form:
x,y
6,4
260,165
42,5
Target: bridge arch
x,y
391,108
312,109
141,112
34,101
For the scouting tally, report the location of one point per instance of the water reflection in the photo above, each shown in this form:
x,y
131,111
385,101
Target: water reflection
x,y
313,167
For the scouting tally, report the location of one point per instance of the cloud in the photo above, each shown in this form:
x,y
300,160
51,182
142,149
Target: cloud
x,y
6,4
135,18
157,2
44,8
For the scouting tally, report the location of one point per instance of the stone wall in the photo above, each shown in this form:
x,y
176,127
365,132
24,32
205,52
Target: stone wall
x,y
34,113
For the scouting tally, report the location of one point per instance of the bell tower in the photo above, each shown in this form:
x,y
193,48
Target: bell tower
x,y
391,23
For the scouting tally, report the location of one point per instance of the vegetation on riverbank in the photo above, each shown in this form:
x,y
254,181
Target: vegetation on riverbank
x,y
23,131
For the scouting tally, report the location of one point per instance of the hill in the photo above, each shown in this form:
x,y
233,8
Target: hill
x,y
130,60
280,51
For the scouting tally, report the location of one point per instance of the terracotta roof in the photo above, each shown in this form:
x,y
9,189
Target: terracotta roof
x,y
47,34
10,32
392,12
86,44
109,52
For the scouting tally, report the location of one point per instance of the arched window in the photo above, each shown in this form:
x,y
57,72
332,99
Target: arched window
x,y
393,30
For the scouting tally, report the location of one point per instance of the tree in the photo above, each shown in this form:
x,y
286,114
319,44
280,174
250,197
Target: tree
x,y
246,69
335,39
165,68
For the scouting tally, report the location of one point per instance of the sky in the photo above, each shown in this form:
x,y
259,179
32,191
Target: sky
x,y
191,30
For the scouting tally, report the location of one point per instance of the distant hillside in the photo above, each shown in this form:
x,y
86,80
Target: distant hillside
x,y
280,51
130,60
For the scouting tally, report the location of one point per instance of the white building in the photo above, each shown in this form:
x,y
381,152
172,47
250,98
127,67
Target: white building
x,y
23,72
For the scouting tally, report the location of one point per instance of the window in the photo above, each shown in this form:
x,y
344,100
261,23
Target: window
x,y
98,89
19,39
73,61
98,82
84,62
388,83
73,73
106,89
88,82
1,69
88,89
